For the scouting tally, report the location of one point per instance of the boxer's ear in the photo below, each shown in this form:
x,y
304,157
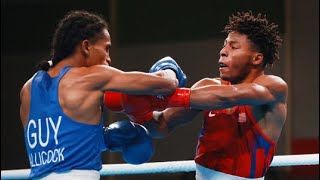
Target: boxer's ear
x,y
84,47
257,59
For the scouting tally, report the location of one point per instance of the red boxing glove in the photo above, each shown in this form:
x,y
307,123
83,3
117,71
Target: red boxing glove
x,y
113,101
140,108
180,98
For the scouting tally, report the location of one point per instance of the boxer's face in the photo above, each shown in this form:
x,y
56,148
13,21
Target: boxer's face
x,y
236,56
99,51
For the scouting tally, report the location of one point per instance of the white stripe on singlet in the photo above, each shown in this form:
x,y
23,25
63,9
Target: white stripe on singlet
x,y
203,173
73,175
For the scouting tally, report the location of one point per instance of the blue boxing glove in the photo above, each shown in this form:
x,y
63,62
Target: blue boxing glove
x,y
131,139
119,133
169,63
140,149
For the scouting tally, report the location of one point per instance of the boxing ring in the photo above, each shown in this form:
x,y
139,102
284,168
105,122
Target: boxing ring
x,y
171,166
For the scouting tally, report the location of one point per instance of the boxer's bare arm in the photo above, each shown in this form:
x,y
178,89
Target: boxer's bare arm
x,y
264,90
107,78
166,121
25,102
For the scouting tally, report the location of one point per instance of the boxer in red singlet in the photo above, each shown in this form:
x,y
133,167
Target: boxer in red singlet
x,y
244,109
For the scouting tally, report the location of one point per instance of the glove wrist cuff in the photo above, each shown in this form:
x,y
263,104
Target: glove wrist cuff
x,y
180,98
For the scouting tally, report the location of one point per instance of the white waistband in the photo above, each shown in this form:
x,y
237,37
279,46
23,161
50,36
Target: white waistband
x,y
203,173
74,175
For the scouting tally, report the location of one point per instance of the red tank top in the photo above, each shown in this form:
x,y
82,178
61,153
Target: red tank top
x,y
232,142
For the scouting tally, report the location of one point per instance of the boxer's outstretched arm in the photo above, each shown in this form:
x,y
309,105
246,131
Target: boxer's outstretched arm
x,y
264,90
112,79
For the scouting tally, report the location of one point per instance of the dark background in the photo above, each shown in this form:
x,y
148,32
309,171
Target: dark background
x,y
145,31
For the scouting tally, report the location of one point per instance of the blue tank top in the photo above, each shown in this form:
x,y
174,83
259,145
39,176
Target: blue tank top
x,y
55,142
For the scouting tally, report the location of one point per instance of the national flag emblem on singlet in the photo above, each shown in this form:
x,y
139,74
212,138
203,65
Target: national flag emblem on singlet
x,y
242,117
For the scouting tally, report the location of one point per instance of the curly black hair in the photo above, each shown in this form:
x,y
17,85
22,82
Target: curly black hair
x,y
263,34
73,28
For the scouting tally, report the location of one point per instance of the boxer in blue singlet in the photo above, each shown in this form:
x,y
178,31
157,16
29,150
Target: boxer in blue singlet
x,y
61,105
